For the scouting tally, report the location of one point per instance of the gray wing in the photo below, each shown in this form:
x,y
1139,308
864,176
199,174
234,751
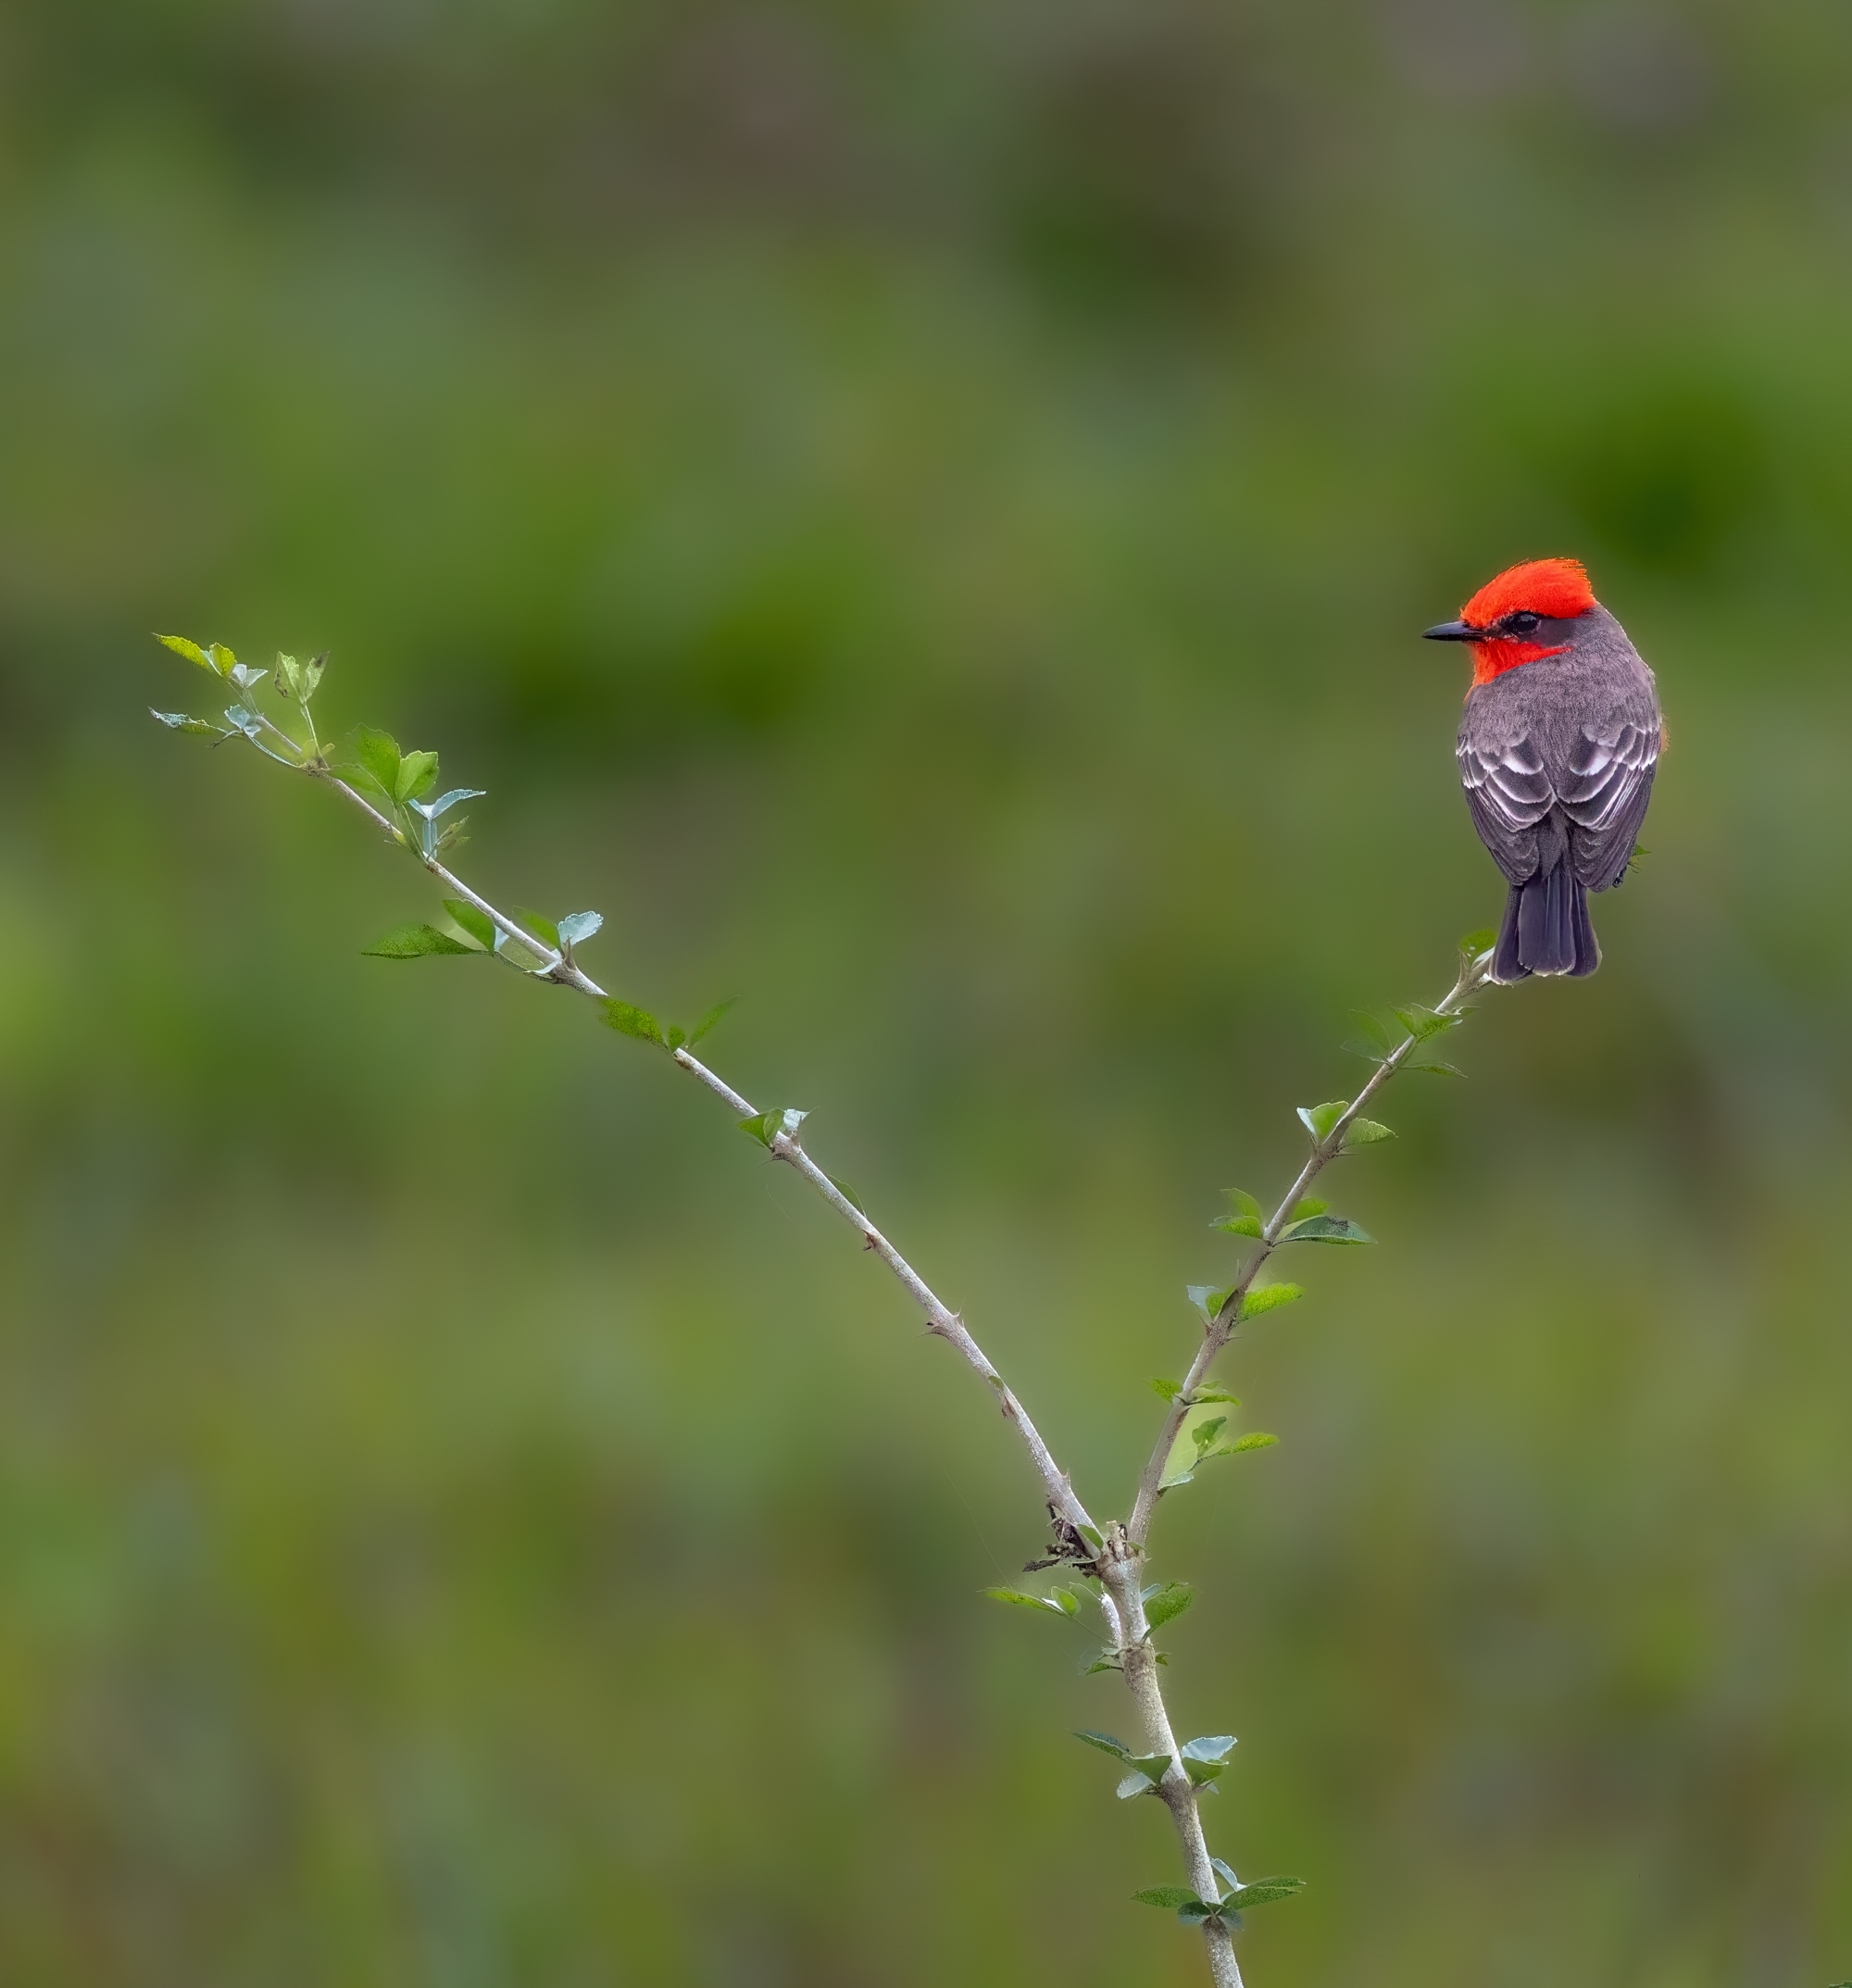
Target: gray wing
x,y
1605,796
1509,793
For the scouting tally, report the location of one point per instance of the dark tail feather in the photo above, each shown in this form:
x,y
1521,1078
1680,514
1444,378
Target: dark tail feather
x,y
1546,929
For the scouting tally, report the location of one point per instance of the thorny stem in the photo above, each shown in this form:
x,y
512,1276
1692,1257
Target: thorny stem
x,y
1474,973
1112,1556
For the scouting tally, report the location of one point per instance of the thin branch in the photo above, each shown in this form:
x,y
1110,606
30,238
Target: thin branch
x,y
1473,974
943,1320
1113,1557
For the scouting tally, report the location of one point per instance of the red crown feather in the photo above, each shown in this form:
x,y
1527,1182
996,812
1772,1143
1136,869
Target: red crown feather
x,y
1555,588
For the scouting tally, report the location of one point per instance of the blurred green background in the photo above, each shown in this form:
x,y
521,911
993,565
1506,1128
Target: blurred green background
x,y
920,514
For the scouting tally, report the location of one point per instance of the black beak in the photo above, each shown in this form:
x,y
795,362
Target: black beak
x,y
1454,632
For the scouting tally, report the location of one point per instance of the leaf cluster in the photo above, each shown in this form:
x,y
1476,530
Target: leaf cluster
x,y
1227,1908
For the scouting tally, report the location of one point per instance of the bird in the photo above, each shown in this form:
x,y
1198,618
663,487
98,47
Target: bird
x,y
1557,748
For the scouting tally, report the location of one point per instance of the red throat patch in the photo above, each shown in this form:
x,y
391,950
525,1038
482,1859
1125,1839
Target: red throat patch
x,y
1556,589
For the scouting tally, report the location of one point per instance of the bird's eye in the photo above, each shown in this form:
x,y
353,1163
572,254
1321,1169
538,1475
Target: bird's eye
x,y
1523,623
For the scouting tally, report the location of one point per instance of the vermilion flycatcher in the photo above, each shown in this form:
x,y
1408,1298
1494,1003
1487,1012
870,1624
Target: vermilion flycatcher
x,y
1557,751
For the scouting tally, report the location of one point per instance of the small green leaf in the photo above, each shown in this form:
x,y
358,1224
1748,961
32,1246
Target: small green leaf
x,y
710,1019
1105,1742
190,650
379,753
1167,1601
576,927
1168,1896
311,675
1311,1205
1025,1601
848,1192
1475,942
1106,1660
1209,1299
412,942
1431,1066
1067,1602
1365,1132
1091,1536
1422,1023
1318,1119
222,658
477,924
1270,1297
1154,1767
1204,1433
676,1037
1204,1394
1378,1037
179,721
630,1019
1245,1216
1133,1784
1170,1390
547,930
1325,1228
416,776
1263,1892
1254,1441
1210,1747
765,1128
1202,1773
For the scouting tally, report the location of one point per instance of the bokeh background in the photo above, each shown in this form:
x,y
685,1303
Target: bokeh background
x,y
920,514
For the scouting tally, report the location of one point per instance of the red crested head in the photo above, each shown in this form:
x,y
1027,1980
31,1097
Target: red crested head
x,y
1505,619
1554,590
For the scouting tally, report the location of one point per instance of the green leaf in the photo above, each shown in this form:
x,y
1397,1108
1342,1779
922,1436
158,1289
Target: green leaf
x,y
378,754
710,1019
477,924
1026,1601
1205,1395
1105,1742
289,676
1431,1066
179,721
311,675
1154,1767
576,927
416,776
222,658
1202,1773
848,1192
1318,1119
1422,1023
1092,1536
1106,1660
1168,1896
1270,1297
1204,1433
1245,1216
1209,1299
630,1019
536,922
1472,944
413,941
1133,1784
765,1128
1311,1205
676,1037
1254,1441
1167,1603
1365,1132
1212,1746
190,650
1170,1390
1325,1228
1378,1037
1263,1892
